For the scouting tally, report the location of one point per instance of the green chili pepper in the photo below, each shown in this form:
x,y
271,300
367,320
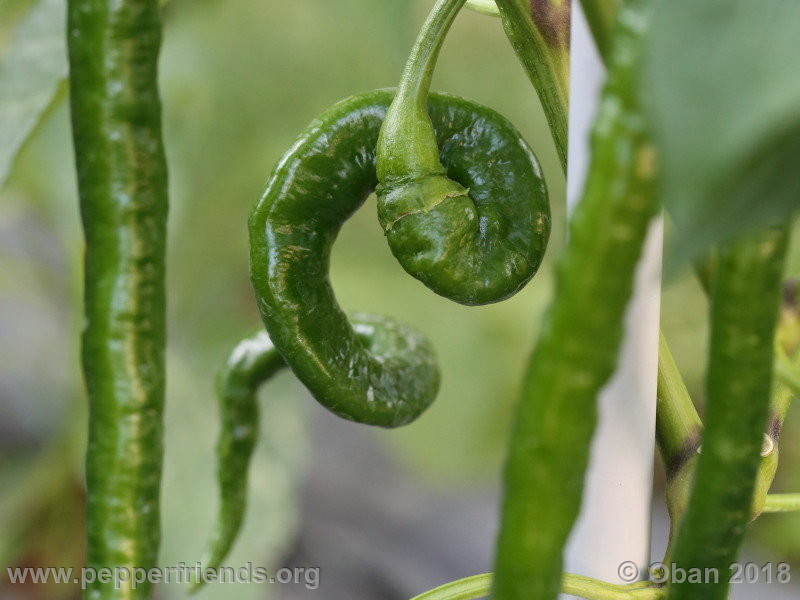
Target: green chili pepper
x,y
744,309
317,185
252,363
475,231
122,179
556,417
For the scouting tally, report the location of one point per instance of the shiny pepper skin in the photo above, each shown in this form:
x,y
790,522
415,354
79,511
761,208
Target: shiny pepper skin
x,y
327,175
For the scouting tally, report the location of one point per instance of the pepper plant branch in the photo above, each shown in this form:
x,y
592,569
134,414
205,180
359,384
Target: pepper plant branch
x,y
787,373
479,586
777,503
539,32
485,7
678,426
544,66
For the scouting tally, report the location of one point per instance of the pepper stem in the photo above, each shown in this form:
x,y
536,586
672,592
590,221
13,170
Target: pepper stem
x,y
418,72
407,147
479,586
485,7
782,503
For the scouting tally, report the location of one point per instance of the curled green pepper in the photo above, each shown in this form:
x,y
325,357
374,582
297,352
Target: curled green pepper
x,y
372,369
317,185
252,363
475,230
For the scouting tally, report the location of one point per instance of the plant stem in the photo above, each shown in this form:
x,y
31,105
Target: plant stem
x,y
415,82
678,426
479,586
539,32
782,503
787,373
407,142
678,433
485,7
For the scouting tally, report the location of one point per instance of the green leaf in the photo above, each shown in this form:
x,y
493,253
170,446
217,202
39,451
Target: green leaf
x,y
32,73
723,99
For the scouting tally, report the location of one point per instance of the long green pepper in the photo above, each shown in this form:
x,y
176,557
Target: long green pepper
x,y
557,414
122,180
744,310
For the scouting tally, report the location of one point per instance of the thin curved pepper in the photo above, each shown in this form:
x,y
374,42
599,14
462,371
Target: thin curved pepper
x,y
251,364
471,232
122,180
744,311
317,185
557,413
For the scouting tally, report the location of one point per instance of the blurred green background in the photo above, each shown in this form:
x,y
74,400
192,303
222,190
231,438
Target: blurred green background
x,y
239,81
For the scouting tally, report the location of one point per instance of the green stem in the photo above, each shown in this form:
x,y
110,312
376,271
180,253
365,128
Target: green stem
x,y
545,65
485,7
777,503
415,82
407,148
539,33
479,586
601,14
678,433
788,374
678,425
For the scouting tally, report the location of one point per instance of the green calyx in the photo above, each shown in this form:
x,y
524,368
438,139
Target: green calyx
x,y
412,178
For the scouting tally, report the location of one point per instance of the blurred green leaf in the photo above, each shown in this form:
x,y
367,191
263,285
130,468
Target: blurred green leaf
x,y
32,73
724,103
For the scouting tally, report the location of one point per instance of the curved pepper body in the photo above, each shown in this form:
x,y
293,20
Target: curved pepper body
x,y
477,232
252,363
327,175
